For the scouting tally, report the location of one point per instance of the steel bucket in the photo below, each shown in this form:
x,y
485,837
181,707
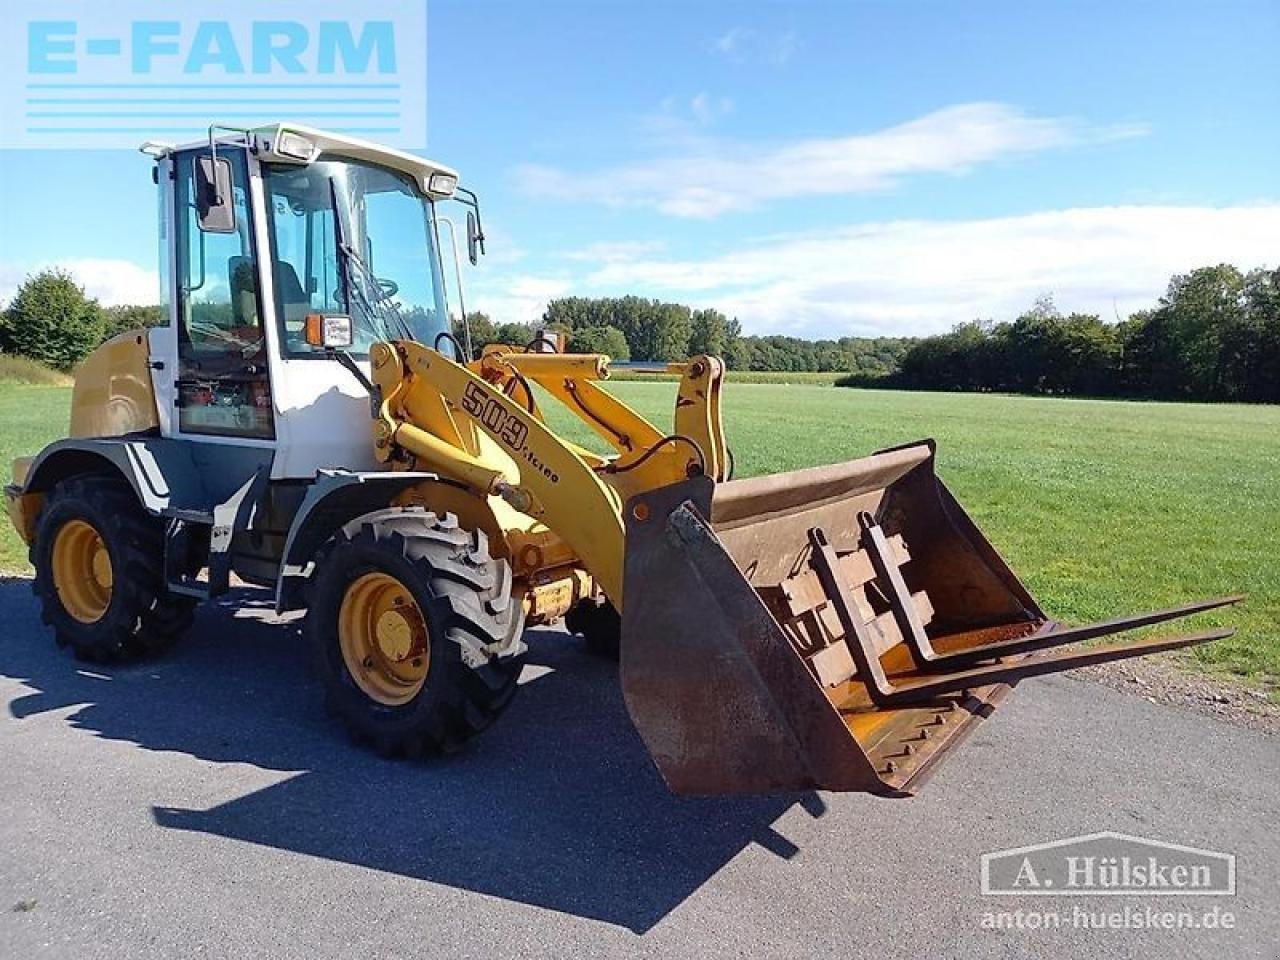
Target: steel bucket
x,y
841,628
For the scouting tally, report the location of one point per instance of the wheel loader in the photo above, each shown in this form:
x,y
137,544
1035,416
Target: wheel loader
x,y
308,421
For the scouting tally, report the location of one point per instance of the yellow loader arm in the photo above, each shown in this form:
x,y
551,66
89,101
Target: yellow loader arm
x,y
480,425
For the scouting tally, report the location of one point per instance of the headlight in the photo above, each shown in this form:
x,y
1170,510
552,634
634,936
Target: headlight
x,y
330,331
442,183
295,146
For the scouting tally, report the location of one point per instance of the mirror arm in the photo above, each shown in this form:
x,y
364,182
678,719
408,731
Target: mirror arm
x,y
213,151
457,273
473,202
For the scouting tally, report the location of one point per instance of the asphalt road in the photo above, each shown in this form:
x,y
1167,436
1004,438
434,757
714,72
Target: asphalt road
x,y
203,805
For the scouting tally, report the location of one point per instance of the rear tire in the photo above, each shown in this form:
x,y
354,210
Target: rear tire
x,y
415,632
98,558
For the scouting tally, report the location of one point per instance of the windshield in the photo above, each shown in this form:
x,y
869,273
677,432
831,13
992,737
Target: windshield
x,y
377,263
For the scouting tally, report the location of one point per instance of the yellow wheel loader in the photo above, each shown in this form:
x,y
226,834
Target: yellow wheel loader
x,y
308,422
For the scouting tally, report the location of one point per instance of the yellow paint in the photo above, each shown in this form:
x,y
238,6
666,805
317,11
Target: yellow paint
x,y
542,478
21,468
440,455
551,508
645,458
528,545
582,366
383,638
611,419
698,412
82,574
23,508
113,394
553,595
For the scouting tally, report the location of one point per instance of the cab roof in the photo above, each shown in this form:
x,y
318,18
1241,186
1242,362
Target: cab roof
x,y
300,144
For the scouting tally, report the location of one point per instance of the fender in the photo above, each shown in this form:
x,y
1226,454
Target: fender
x,y
334,499
168,475
186,482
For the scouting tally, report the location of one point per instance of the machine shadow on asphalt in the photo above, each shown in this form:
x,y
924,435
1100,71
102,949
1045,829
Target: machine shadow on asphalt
x,y
557,806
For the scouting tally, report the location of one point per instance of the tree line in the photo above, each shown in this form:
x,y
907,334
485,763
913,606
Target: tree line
x,y
637,329
1214,335
51,320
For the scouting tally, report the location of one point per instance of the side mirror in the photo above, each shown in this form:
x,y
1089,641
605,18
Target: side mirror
x,y
215,211
475,238
329,331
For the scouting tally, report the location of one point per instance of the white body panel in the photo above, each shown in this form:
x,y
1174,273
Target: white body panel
x,y
322,419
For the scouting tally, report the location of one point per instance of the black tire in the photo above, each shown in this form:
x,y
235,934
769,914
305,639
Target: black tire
x,y
473,627
141,618
599,625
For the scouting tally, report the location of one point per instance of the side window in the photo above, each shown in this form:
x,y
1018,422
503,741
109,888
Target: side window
x,y
304,267
223,385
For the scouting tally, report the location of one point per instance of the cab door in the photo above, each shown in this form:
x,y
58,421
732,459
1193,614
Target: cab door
x,y
222,382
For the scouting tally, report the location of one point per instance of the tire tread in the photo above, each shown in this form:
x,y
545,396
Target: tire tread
x,y
465,595
143,618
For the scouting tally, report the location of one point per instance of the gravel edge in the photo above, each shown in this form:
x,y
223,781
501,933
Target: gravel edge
x,y
1165,680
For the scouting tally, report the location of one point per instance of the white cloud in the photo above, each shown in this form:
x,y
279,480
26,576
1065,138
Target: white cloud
x,y
785,46
500,247
680,123
518,298
916,277
731,40
721,176
613,251
112,282
707,109
744,44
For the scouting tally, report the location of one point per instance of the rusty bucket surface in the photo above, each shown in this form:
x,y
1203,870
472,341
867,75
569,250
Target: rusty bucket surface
x,y
840,627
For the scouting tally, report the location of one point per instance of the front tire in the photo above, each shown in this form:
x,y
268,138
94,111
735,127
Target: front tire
x,y
98,560
415,631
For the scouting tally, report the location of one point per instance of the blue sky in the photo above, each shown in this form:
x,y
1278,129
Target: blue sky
x,y
813,168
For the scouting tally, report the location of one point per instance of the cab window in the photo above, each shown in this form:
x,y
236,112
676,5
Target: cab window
x,y
304,263
223,385
388,254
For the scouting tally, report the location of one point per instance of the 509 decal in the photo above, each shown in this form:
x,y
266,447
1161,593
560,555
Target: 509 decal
x,y
506,427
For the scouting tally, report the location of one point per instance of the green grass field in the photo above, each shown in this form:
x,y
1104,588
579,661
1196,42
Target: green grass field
x,y
804,377
1101,507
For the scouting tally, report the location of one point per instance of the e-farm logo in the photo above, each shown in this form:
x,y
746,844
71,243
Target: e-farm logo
x,y
88,74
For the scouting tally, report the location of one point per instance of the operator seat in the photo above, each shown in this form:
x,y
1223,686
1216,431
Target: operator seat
x,y
295,304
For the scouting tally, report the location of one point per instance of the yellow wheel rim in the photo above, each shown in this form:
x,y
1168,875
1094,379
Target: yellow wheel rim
x,y
384,639
82,573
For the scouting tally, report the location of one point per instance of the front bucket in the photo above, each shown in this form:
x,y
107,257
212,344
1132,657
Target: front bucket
x,y
837,628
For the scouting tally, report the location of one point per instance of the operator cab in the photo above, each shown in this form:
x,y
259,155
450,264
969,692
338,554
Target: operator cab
x,y
267,228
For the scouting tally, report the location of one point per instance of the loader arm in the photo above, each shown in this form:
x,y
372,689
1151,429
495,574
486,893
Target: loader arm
x,y
480,425
646,458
